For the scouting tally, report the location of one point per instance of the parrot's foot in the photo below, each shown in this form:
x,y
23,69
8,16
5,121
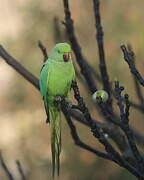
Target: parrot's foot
x,y
68,104
58,100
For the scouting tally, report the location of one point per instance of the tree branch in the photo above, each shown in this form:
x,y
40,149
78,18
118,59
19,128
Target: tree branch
x,y
100,43
20,169
129,59
43,49
79,142
18,67
5,168
124,114
137,85
98,133
85,69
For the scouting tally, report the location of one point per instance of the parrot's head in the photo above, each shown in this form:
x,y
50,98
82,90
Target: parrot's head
x,y
61,52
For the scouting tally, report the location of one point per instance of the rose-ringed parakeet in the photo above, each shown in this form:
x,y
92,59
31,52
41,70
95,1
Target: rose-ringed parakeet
x,y
56,77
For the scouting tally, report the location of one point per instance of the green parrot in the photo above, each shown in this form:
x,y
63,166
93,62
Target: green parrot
x,y
56,77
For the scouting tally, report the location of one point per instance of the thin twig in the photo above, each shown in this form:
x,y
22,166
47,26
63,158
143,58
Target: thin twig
x,y
43,49
4,166
137,85
129,59
20,169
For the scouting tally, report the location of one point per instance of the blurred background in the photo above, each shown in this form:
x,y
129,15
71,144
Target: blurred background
x,y
23,132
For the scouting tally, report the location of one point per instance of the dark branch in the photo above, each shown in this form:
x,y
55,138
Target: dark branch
x,y
43,49
18,67
98,133
113,132
4,166
79,142
100,42
137,85
129,59
20,169
124,114
85,69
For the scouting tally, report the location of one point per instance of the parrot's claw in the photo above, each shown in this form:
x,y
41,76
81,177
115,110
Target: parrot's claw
x,y
58,100
68,104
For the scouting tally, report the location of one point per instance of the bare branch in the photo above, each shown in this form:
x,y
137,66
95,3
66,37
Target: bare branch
x,y
5,168
100,42
79,142
129,59
18,67
124,114
85,69
20,169
98,133
43,49
137,85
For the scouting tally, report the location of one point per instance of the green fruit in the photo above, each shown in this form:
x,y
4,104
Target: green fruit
x,y
100,94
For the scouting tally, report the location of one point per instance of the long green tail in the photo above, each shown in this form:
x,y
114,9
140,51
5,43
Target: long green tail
x,y
55,124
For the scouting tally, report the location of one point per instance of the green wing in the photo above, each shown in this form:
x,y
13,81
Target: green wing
x,y
44,75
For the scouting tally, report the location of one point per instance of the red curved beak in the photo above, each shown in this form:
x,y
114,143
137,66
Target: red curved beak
x,y
66,57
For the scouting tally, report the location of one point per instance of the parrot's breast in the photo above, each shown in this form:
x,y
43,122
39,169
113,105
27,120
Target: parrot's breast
x,y
60,78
